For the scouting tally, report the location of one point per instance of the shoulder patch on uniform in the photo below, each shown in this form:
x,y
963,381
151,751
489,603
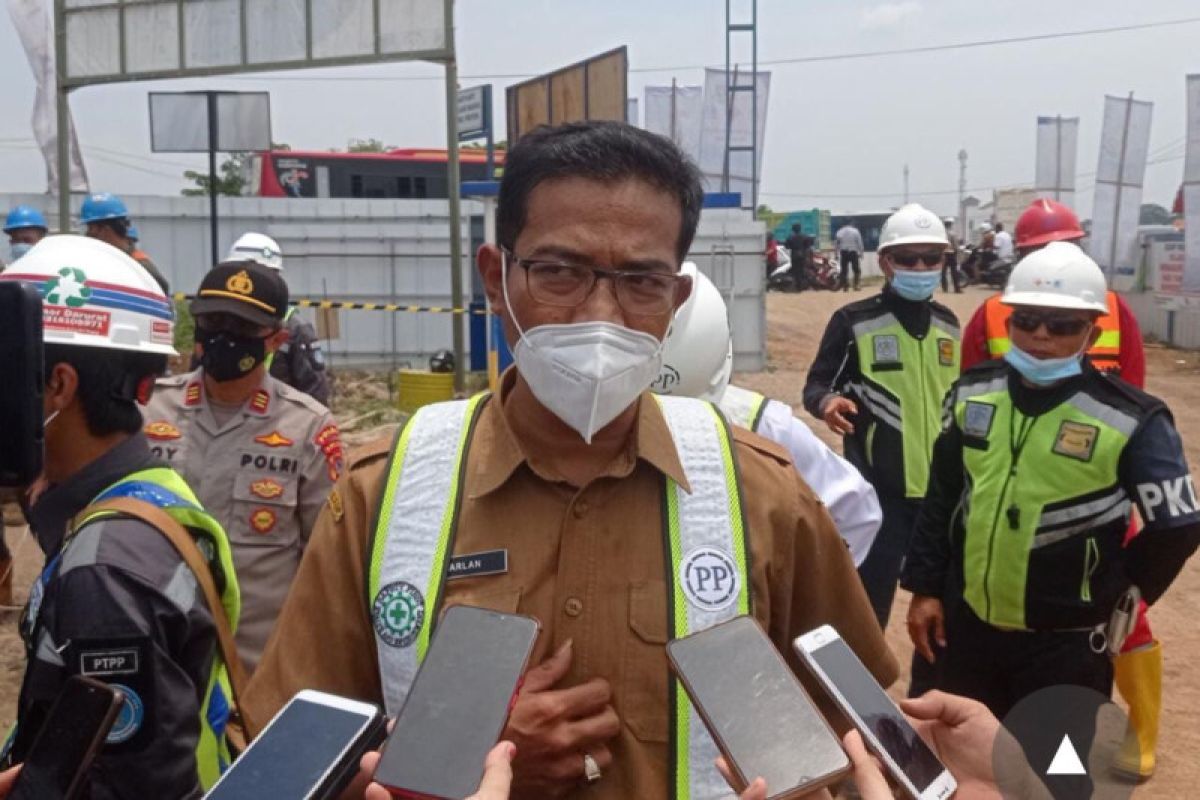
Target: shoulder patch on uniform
x,y
761,444
191,396
274,439
260,402
977,418
161,430
129,718
946,352
334,501
330,443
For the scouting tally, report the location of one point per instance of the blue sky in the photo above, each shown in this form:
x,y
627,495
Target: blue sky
x,y
839,127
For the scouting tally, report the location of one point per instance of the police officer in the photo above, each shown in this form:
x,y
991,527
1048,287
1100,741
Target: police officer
x,y
1017,563
879,377
25,227
299,361
106,218
260,455
116,602
698,361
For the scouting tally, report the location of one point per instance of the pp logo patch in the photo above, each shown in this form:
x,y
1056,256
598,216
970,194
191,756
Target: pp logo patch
x,y
946,352
709,578
1076,440
397,613
977,419
667,380
887,349
129,718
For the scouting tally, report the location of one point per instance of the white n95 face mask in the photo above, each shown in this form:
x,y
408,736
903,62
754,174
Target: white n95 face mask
x,y
586,373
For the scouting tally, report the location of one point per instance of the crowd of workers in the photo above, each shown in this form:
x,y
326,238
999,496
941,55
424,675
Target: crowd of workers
x,y
1015,479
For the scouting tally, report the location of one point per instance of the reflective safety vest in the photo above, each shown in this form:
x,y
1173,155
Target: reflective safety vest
x,y
1105,353
902,381
270,359
414,537
743,407
164,488
1043,513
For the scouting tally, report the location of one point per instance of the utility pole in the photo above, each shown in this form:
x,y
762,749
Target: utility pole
x,y
962,195
906,184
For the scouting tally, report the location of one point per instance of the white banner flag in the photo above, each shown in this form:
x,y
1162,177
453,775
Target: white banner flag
x,y
1057,140
678,121
34,21
717,118
1124,146
1191,188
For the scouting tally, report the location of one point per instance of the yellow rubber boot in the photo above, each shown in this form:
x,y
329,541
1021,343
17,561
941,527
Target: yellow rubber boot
x,y
1139,679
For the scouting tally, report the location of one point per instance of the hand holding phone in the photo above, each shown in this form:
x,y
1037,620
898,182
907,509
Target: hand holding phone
x,y
759,715
884,728
56,765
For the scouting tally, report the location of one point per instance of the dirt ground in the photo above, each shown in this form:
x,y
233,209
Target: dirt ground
x,y
795,323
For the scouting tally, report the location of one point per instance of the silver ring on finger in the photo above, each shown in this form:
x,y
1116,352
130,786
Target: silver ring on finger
x,y
591,770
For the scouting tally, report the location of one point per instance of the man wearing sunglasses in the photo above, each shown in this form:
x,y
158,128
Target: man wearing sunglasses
x,y
1017,563
879,377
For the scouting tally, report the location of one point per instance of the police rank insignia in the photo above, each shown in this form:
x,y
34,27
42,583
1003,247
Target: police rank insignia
x,y
887,348
1076,440
274,439
262,520
977,419
161,430
397,614
330,443
266,488
260,402
946,352
191,396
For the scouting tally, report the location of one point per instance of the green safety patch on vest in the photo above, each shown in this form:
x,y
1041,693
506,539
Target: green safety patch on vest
x,y
397,613
946,352
1076,440
977,419
886,348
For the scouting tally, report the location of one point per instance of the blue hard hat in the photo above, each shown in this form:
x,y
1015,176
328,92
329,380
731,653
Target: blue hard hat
x,y
24,217
99,207
131,233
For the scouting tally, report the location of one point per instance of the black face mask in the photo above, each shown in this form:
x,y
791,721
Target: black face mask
x,y
227,356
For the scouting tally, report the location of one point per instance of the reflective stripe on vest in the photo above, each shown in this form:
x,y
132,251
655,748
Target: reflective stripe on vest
x,y
902,382
270,359
743,407
1064,484
1104,354
164,488
708,573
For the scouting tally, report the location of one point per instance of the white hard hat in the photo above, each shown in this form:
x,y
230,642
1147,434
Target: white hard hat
x,y
912,224
1060,275
94,295
984,227
258,247
698,352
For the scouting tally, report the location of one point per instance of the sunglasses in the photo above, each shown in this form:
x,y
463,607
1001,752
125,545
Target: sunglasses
x,y
1056,325
908,260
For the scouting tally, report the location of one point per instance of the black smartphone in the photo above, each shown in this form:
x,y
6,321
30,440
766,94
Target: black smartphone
x,y
308,751
64,749
884,728
759,715
458,704
21,390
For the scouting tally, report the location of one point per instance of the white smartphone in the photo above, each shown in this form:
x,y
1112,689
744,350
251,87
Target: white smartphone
x,y
884,728
309,751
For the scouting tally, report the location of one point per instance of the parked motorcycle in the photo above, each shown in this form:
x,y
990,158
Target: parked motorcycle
x,y
982,267
821,274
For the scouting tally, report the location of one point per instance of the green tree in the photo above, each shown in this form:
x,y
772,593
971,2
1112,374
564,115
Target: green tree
x,y
1154,214
231,175
368,146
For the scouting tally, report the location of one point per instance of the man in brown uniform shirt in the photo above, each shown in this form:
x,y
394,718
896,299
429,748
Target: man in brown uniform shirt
x,y
581,521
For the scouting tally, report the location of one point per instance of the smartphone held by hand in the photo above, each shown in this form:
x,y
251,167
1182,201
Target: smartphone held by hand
x,y
884,728
759,715
458,704
309,751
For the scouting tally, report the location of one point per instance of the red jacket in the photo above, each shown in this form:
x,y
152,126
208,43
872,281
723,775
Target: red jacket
x,y
1132,356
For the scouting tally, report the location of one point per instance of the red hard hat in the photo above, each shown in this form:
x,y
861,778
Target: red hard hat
x,y
1047,221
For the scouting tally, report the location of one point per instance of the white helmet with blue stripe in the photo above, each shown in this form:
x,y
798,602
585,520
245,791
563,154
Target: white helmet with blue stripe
x,y
94,295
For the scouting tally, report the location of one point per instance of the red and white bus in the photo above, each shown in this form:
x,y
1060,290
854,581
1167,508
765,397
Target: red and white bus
x,y
405,172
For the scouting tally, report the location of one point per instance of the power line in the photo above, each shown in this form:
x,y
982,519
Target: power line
x,y
901,51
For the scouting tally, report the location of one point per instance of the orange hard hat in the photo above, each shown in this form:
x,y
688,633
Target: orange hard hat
x,y
1047,221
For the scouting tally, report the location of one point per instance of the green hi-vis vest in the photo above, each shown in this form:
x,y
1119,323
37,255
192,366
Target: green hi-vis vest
x,y
1035,526
902,382
270,359
414,539
743,407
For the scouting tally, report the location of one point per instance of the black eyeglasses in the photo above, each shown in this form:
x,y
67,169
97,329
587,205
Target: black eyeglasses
x,y
909,260
567,285
1056,324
